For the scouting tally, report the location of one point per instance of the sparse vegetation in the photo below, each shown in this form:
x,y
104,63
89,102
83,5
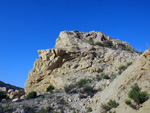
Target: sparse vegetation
x,y
113,76
99,44
76,36
31,95
99,78
128,64
88,109
108,43
88,89
105,76
137,96
112,111
102,76
106,107
124,67
111,104
82,83
91,42
79,84
125,47
128,102
68,88
140,52
50,89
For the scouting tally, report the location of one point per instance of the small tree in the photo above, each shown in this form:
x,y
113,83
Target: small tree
x,y
137,95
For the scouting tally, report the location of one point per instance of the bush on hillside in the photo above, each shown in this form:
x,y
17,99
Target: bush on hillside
x,y
91,42
82,83
111,104
50,89
108,44
31,95
105,76
88,89
137,95
68,88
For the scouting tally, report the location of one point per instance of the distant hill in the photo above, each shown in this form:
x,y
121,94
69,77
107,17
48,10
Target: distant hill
x,y
8,86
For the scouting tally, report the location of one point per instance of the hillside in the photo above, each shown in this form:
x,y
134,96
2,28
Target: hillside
x,y
83,73
8,86
76,56
138,72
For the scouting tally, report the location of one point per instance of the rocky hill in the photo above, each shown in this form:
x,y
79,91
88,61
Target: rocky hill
x,y
85,72
76,56
8,86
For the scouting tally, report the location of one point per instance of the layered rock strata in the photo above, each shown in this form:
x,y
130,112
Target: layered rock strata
x,y
78,55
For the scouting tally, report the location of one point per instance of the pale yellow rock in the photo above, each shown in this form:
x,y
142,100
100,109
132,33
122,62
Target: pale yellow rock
x,y
73,58
138,72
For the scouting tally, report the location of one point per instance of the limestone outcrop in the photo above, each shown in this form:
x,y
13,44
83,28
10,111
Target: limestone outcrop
x,y
138,72
78,55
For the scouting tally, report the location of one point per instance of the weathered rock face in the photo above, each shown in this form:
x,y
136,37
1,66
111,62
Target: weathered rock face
x,y
138,72
77,55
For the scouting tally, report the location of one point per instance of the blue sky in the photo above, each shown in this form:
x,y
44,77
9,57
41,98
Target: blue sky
x,y
30,25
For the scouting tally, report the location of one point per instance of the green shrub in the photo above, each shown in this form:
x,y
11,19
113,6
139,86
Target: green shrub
x,y
88,89
105,76
88,109
68,88
99,44
128,102
136,94
99,78
112,111
32,94
112,103
108,44
50,89
76,36
125,47
128,64
140,53
81,83
120,71
124,67
2,95
91,42
106,107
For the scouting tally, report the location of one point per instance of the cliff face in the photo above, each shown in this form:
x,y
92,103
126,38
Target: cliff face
x,y
138,72
78,55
